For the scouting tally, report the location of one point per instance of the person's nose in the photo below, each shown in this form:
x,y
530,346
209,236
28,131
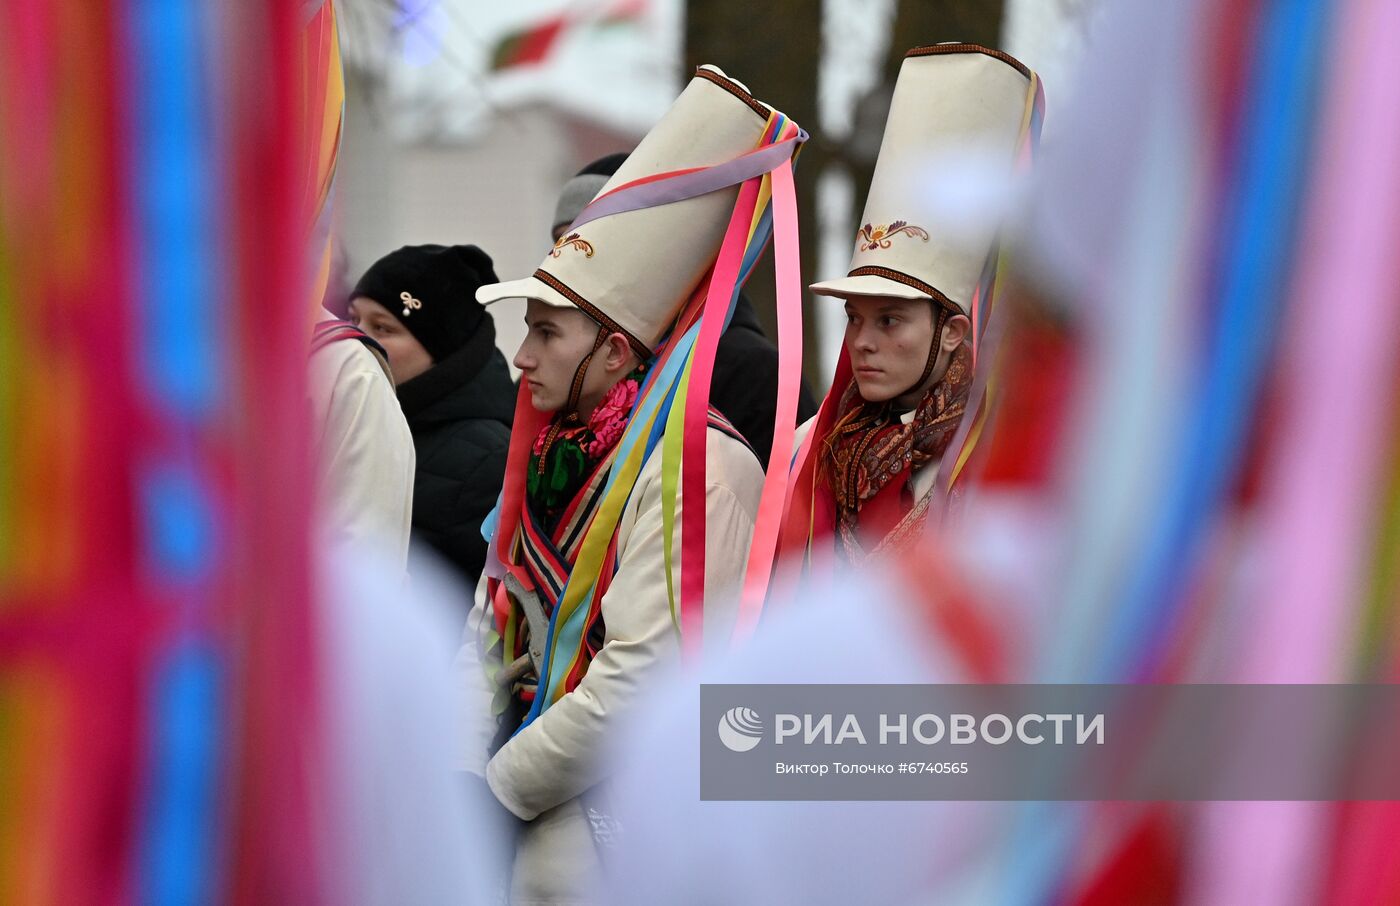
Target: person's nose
x,y
523,360
863,340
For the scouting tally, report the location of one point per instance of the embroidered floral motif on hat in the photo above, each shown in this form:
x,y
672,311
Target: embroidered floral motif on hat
x,y
880,236
574,240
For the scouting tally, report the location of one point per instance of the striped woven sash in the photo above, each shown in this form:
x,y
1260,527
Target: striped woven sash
x,y
547,560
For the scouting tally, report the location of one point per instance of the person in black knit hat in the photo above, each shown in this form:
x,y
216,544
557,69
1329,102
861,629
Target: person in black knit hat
x,y
745,383
420,304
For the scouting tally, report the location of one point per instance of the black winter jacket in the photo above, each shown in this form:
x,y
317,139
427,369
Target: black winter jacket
x,y
460,413
745,384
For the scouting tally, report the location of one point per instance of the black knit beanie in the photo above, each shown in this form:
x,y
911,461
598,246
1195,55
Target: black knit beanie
x,y
432,290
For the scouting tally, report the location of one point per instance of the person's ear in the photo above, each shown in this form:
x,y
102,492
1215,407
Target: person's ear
x,y
955,331
618,356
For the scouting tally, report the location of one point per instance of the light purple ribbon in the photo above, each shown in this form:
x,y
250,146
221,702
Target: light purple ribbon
x,y
690,185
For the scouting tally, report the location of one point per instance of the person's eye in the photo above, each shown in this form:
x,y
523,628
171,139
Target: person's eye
x,y
888,321
850,318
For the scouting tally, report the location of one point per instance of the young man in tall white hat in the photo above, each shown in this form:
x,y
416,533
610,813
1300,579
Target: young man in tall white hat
x,y
920,285
582,608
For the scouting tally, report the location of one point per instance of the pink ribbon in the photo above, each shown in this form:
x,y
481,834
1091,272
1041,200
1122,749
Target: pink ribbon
x,y
697,414
787,268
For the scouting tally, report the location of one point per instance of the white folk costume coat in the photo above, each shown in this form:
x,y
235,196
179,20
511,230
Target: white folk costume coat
x,y
540,773
366,458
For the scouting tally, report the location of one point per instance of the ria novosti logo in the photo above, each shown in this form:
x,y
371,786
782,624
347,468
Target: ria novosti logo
x,y
740,729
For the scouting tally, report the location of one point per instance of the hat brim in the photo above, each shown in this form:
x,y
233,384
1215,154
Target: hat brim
x,y
535,288
874,285
867,285
528,288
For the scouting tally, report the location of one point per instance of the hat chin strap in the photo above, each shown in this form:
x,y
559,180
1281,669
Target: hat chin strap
x,y
575,391
940,320
576,388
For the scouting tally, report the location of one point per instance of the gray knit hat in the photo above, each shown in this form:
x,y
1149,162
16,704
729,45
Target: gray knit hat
x,y
583,188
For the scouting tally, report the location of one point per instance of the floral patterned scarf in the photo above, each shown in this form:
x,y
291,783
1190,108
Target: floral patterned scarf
x,y
871,453
566,451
